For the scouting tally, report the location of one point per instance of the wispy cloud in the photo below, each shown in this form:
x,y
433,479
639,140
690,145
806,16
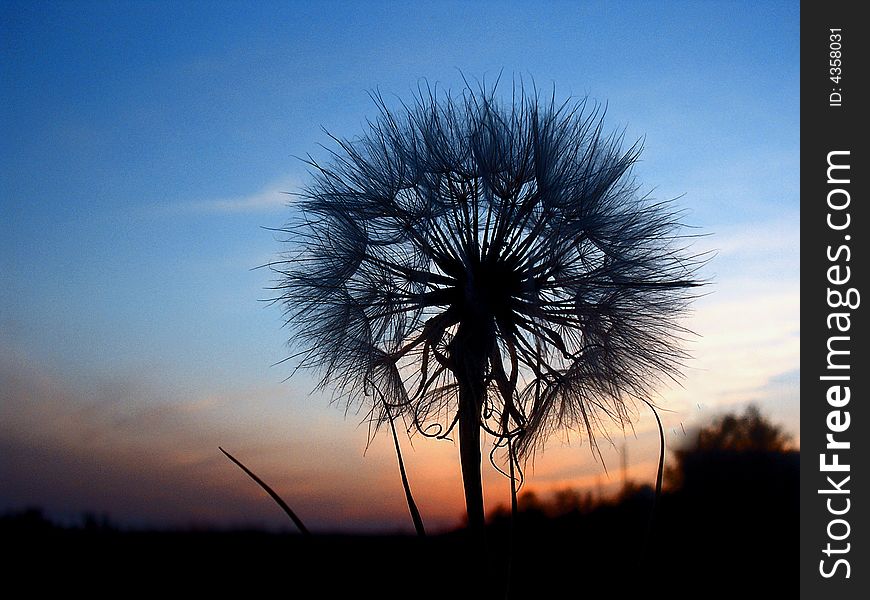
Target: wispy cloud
x,y
757,240
748,326
272,197
748,330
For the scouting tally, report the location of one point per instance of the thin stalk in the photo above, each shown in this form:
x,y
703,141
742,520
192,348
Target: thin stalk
x,y
412,506
280,501
659,474
511,534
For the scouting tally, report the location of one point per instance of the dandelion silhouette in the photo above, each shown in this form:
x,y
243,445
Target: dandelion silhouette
x,y
488,267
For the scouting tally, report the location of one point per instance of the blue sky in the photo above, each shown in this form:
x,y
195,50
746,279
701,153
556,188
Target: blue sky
x,y
144,146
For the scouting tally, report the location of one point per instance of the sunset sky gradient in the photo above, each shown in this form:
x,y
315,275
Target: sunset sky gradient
x,y
145,145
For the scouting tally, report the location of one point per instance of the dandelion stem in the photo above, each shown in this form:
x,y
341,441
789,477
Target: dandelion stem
x,y
471,395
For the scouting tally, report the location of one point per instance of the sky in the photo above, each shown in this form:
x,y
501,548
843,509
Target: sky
x,y
144,151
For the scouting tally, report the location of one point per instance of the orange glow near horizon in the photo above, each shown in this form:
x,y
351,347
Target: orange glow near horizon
x,y
150,465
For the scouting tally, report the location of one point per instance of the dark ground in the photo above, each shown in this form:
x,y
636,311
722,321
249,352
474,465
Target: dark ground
x,y
730,530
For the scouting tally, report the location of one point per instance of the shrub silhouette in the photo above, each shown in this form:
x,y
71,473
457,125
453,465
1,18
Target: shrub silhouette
x,y
736,493
727,524
730,455
486,267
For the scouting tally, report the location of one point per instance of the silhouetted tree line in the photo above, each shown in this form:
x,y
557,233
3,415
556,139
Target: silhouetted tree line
x,y
728,521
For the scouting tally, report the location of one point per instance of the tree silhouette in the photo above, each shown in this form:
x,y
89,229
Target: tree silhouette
x,y
489,267
734,453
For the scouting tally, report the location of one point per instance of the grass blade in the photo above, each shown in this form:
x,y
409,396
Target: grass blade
x,y
659,474
296,520
412,506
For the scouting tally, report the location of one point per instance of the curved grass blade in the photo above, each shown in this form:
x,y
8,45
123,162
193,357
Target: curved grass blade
x,y
412,506
659,473
280,501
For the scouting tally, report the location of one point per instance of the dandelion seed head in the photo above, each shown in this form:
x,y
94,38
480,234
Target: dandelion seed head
x,y
461,229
